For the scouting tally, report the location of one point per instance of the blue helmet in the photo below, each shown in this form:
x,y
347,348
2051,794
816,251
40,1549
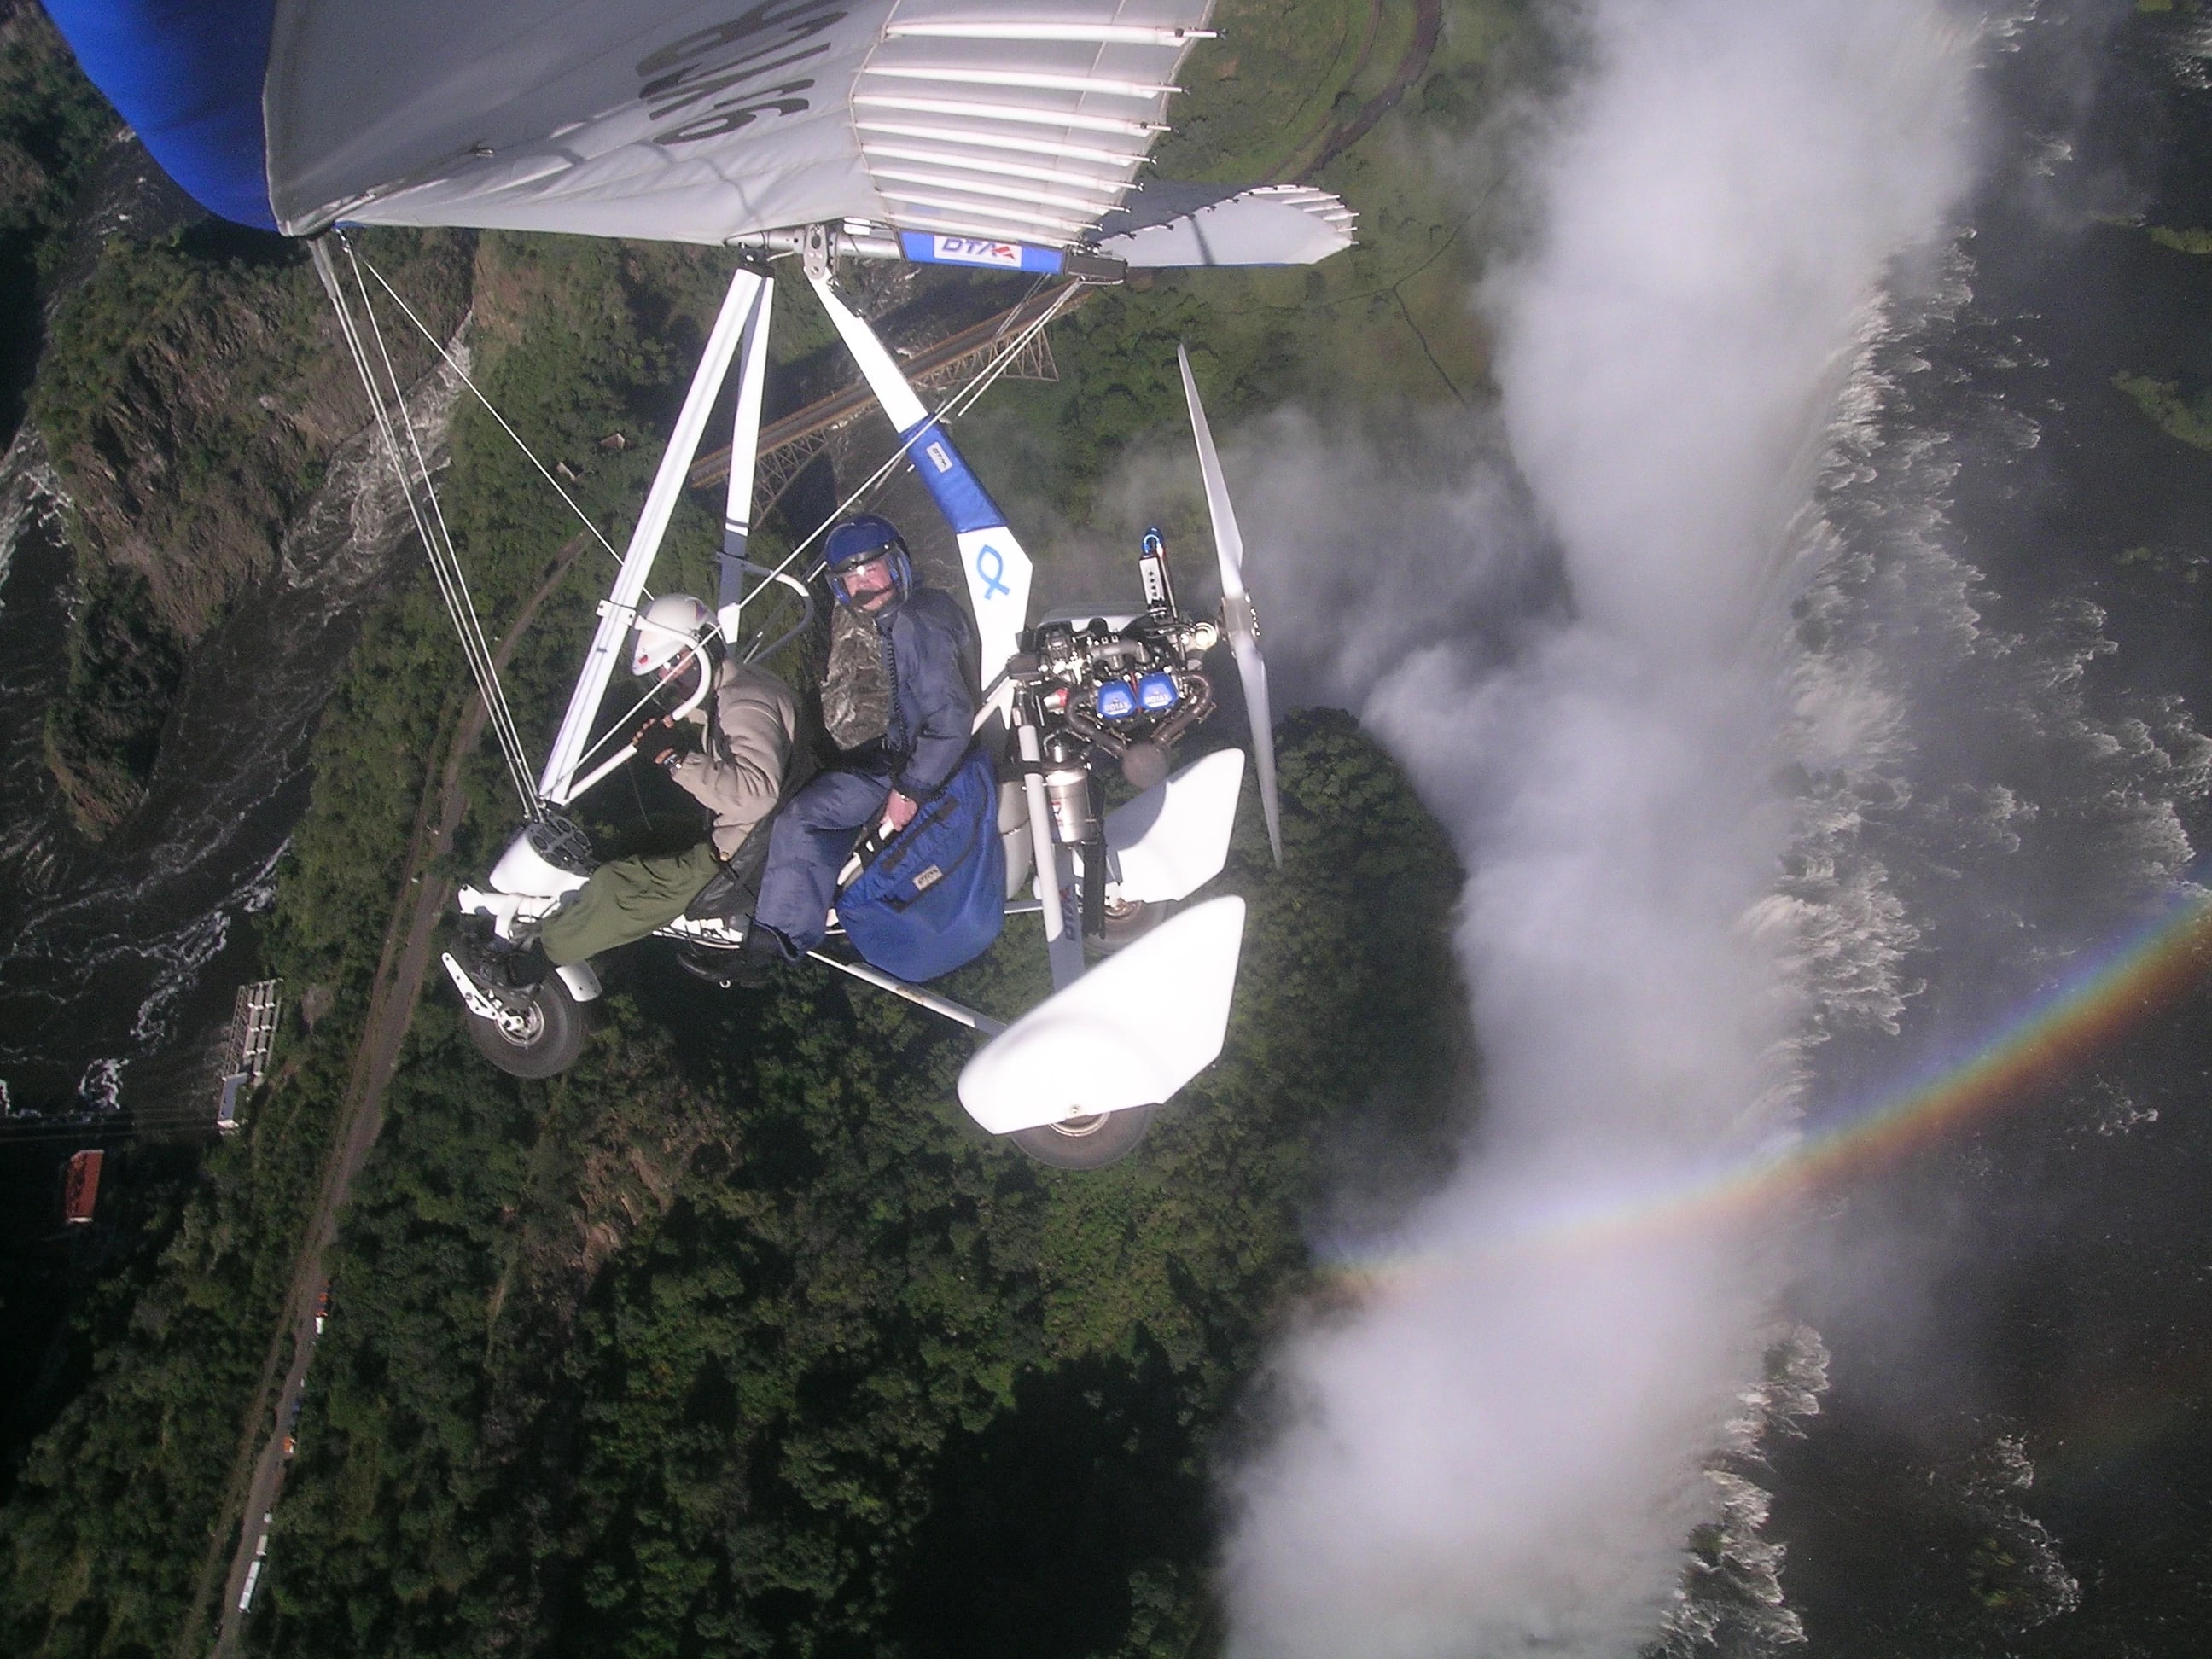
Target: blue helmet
x,y
857,541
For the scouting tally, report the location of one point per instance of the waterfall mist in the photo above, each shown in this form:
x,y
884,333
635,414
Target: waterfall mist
x,y
1579,647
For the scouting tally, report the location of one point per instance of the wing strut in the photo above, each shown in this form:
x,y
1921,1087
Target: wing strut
x,y
746,299
959,1012
744,462
991,556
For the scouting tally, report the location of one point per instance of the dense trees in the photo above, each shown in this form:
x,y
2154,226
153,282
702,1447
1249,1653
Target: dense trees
x,y
110,1514
739,1338
193,394
53,127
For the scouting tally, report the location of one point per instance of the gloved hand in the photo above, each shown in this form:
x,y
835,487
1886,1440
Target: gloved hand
x,y
666,741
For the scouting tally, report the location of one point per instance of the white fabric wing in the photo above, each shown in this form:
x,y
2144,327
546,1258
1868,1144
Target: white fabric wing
x,y
710,121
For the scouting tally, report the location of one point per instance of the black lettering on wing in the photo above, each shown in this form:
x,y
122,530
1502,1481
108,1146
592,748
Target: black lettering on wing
x,y
694,93
768,15
691,74
768,100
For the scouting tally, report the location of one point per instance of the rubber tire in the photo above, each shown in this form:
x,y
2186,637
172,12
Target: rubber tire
x,y
563,1024
1128,926
1114,1140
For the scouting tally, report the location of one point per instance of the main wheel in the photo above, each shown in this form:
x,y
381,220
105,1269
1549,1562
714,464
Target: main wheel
x,y
541,1038
1087,1143
1124,922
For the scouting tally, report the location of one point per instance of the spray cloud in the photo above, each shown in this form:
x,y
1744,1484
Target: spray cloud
x,y
1499,1449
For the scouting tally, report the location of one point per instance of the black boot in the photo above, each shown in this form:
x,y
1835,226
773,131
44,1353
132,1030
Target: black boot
x,y
524,968
766,954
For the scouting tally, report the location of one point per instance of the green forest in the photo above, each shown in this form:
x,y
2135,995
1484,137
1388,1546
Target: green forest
x,y
738,1338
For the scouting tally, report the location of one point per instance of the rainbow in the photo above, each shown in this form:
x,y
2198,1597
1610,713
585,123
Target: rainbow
x,y
2108,992
2112,991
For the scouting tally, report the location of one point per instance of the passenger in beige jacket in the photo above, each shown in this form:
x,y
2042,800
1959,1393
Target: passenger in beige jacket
x,y
737,774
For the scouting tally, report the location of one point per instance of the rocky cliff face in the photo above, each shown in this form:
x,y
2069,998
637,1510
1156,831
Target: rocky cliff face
x,y
191,395
53,127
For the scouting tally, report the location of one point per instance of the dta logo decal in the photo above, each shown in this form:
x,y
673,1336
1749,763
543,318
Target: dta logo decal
x,y
975,250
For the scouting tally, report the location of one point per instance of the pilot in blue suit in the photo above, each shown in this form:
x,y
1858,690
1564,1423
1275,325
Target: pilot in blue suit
x,y
929,656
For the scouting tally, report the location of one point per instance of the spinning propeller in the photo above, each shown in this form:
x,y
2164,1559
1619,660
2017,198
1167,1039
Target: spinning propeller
x,y
1237,620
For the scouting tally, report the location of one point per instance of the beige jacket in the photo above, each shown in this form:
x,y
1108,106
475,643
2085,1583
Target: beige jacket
x,y
739,776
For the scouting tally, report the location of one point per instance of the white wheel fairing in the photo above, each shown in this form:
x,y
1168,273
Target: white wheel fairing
x,y
1086,1143
1174,838
1131,1032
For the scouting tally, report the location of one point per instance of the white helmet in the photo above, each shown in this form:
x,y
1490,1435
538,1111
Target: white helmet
x,y
667,630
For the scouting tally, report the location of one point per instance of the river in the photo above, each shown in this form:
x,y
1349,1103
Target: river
x,y
122,956
2012,1455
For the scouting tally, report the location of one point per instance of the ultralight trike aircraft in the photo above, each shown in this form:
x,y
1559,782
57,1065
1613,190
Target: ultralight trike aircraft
x,y
996,135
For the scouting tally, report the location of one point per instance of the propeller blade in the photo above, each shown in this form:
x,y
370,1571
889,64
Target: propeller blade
x,y
1228,540
1254,672
1237,609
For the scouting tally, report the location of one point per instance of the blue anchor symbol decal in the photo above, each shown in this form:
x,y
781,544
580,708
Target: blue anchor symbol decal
x,y
993,572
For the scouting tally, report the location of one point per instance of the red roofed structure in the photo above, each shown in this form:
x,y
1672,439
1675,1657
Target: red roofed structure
x,y
80,1187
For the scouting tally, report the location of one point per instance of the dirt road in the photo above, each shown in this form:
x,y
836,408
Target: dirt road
x,y
1428,24
410,947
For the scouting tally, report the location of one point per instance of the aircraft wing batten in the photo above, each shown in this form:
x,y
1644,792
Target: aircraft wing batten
x,y
688,120
706,121
1062,106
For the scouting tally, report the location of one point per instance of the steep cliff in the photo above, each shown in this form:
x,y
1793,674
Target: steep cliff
x,y
192,393
53,127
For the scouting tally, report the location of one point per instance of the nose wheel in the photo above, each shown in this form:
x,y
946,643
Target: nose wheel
x,y
1123,921
537,1033
1086,1143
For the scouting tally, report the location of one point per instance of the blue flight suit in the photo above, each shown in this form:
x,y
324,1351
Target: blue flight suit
x,y
930,653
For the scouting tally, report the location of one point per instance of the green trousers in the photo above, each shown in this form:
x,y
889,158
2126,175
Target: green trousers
x,y
626,900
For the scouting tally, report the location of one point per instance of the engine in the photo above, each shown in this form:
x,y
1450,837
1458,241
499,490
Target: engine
x,y
1125,693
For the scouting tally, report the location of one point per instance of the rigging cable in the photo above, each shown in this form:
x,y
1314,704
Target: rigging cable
x,y
454,363
444,562
450,584
495,704
955,406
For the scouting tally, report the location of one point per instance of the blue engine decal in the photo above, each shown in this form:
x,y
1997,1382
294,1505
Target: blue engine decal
x,y
1157,691
1117,701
